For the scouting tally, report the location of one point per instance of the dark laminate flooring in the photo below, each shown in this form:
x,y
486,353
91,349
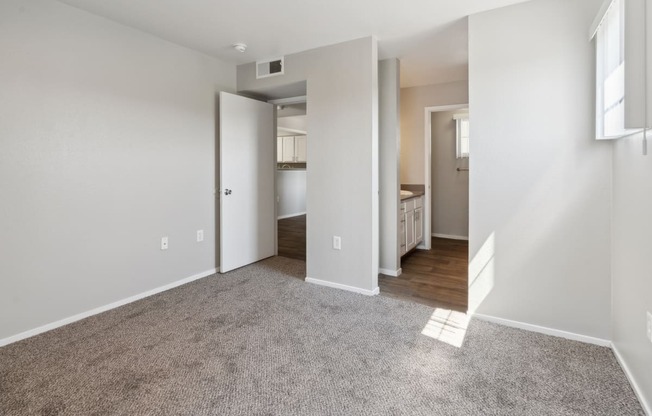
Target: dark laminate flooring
x,y
437,277
292,237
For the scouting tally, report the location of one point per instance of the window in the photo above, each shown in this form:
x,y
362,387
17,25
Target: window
x,y
610,71
462,133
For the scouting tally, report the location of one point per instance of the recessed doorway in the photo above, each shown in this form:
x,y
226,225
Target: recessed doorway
x,y
291,176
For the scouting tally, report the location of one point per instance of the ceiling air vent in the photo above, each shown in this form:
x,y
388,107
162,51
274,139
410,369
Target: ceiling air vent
x,y
270,68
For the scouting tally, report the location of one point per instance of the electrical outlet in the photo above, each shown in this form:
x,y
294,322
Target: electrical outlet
x,y
337,242
200,235
164,243
649,326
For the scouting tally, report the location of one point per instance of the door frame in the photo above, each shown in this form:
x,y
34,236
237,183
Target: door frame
x,y
427,214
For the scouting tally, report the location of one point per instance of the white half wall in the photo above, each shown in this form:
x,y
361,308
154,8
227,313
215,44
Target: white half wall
x,y
108,144
342,180
414,100
540,185
291,192
632,263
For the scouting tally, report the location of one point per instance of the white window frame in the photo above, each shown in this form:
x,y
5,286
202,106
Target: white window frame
x,y
460,120
609,38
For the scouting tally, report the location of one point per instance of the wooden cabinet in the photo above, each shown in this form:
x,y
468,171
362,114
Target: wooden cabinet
x,y
410,224
291,149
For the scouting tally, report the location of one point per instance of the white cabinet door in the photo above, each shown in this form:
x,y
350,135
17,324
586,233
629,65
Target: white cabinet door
x,y
279,149
300,150
288,149
409,230
418,225
403,237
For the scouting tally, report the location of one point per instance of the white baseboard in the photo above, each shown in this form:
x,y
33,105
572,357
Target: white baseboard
x,y
366,292
282,217
647,407
544,330
393,273
113,305
450,237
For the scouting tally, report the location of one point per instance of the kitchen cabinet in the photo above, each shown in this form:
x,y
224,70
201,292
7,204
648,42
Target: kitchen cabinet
x,y
291,149
288,149
300,150
410,224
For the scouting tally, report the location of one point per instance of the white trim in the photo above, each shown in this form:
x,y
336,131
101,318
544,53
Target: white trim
x,y
388,272
544,330
113,305
282,217
427,200
343,287
290,100
638,391
450,237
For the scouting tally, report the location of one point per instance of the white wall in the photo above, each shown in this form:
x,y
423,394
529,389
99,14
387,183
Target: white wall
x,y
342,183
389,137
540,185
291,191
293,122
108,144
632,263
414,100
450,188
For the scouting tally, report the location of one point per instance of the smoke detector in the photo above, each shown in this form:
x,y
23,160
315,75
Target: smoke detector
x,y
240,47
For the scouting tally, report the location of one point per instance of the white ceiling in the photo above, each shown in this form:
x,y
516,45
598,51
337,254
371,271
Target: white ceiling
x,y
429,36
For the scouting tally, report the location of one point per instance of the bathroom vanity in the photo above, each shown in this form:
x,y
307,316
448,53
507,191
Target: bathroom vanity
x,y
410,221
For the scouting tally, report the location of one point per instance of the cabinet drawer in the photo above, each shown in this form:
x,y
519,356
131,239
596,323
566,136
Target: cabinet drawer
x,y
418,202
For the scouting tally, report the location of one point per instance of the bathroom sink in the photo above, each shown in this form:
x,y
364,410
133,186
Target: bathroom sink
x,y
406,193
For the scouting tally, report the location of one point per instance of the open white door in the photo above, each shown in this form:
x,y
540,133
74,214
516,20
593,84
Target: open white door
x,y
247,146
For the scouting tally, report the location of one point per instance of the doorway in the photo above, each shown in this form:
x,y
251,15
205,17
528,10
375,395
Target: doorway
x,y
291,174
436,273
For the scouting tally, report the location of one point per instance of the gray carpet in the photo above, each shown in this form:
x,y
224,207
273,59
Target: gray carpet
x,y
258,341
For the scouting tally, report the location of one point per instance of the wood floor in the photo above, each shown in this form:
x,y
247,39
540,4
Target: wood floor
x,y
437,277
292,237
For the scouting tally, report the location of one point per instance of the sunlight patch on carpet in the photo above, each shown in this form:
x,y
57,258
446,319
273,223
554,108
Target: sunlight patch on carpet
x,y
447,326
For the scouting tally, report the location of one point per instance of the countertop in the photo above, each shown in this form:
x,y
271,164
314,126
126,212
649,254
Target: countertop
x,y
415,194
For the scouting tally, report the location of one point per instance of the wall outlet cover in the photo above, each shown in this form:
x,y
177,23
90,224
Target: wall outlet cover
x,y
164,243
337,242
200,235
